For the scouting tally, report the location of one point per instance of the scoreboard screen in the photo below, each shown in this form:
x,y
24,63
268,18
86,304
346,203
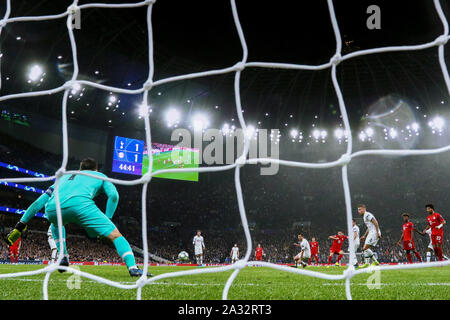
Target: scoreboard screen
x,y
131,156
128,154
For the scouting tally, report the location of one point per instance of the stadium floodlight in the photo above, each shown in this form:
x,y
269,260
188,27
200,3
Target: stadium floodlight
x,y
323,134
316,134
369,132
362,136
415,126
112,99
437,123
75,88
339,133
225,129
393,133
294,133
35,73
250,131
173,117
199,122
143,110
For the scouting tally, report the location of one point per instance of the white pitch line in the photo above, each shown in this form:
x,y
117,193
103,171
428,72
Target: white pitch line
x,y
237,284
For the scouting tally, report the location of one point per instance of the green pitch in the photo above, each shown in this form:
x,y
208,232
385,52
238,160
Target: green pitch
x,y
252,283
169,160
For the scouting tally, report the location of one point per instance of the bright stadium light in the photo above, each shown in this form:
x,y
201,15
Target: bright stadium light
x,y
369,132
75,88
316,134
112,99
339,133
143,110
200,121
294,133
415,126
362,136
323,134
35,73
173,117
393,133
250,131
437,123
225,129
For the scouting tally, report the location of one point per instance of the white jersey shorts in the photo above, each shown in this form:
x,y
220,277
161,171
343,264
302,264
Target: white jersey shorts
x,y
356,245
372,239
306,255
198,250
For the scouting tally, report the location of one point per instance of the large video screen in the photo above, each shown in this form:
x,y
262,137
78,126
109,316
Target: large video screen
x,y
131,157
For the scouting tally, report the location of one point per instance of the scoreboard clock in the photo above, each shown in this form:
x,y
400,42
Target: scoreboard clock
x,y
128,155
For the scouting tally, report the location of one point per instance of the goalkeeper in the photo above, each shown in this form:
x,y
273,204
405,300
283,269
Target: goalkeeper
x,y
76,193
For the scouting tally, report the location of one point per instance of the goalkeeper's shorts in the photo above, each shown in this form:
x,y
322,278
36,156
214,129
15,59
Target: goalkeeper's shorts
x,y
89,217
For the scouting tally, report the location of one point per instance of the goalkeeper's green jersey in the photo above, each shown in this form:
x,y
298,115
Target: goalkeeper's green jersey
x,y
76,190
79,189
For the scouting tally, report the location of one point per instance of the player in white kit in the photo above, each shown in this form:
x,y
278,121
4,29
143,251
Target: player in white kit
x,y
372,236
356,241
199,246
52,244
305,252
234,254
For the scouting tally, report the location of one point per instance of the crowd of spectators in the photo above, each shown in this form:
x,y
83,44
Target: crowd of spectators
x,y
277,207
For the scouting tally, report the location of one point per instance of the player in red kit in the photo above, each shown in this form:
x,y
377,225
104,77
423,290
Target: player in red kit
x,y
408,238
314,250
336,247
259,253
14,250
436,223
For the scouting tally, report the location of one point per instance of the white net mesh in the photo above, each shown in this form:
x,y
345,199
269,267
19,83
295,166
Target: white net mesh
x,y
343,161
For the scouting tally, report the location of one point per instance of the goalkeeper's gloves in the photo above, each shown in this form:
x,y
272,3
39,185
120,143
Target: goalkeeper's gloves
x,y
16,233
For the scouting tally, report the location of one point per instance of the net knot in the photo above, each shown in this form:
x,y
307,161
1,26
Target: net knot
x,y
239,66
2,23
241,161
147,177
349,272
148,85
149,1
441,40
241,264
73,9
60,173
345,159
141,281
70,84
336,59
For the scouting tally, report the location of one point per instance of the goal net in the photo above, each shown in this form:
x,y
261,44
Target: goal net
x,y
71,16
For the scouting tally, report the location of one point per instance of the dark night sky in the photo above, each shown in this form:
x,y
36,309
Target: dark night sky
x,y
192,36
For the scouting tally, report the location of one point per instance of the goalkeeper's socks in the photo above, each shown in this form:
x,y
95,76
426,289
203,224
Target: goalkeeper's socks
x,y
124,250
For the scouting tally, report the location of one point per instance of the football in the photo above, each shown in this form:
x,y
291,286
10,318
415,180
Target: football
x,y
183,256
